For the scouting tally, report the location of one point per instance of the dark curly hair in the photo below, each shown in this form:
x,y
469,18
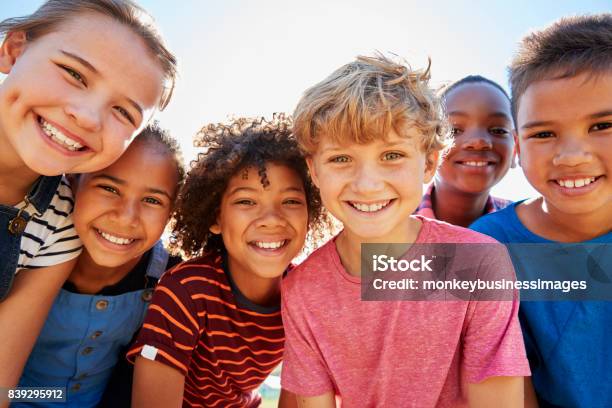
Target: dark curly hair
x,y
231,147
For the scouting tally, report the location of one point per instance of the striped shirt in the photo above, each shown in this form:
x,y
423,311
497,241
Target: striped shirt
x,y
50,239
426,207
200,324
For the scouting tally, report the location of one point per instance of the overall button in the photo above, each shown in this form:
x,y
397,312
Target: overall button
x,y
76,387
96,334
102,304
147,294
80,377
87,350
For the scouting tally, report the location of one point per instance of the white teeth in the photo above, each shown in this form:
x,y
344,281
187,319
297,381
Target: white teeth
x,y
576,183
59,137
114,239
370,207
269,245
476,163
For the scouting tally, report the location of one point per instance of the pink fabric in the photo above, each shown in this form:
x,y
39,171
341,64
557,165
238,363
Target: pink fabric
x,y
393,354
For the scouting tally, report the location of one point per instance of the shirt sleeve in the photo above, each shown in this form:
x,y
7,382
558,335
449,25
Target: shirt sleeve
x,y
493,343
304,371
170,331
62,243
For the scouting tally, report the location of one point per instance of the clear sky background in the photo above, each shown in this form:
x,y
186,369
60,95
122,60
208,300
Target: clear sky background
x,y
256,57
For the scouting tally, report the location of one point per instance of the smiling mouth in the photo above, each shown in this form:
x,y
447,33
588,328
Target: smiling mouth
x,y
270,245
369,208
476,163
576,183
114,239
58,137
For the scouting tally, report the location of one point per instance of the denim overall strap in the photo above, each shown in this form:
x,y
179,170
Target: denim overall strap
x,y
40,197
158,262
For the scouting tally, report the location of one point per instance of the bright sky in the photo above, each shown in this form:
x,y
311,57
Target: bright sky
x,y
241,57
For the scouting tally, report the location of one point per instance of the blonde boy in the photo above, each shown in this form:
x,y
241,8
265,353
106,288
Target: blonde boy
x,y
373,132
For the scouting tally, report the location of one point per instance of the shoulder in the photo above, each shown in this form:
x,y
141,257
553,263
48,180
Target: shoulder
x,y
197,275
435,231
498,224
313,268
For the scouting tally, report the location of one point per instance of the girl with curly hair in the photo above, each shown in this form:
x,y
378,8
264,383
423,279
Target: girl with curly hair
x,y
214,331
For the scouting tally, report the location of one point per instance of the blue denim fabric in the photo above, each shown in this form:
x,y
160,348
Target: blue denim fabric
x,y
81,340
40,196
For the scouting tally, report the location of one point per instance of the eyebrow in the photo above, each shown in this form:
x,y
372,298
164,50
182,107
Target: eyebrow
x,y
93,69
537,123
494,114
601,114
123,182
254,190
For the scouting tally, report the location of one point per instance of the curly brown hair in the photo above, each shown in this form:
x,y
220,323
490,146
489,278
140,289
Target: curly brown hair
x,y
230,148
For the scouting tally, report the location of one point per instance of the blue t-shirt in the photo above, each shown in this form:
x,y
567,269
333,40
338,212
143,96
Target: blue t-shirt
x,y
569,343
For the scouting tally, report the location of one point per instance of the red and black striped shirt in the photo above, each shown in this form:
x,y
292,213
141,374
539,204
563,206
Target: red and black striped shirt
x,y
200,324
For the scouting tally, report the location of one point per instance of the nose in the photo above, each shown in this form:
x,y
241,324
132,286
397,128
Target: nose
x,y
572,152
87,114
271,217
127,213
476,139
367,180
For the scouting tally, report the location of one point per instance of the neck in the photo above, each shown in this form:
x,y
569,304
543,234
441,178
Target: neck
x,y
546,221
348,244
89,278
258,289
15,182
457,207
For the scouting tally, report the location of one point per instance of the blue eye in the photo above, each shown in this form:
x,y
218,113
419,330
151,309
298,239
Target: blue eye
x,y
74,74
392,156
340,159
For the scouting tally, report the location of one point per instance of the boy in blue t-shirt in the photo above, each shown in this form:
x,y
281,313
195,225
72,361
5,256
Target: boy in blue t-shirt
x,y
561,80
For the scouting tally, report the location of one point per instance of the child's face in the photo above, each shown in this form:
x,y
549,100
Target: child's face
x,y
75,97
565,143
121,211
263,228
482,125
373,188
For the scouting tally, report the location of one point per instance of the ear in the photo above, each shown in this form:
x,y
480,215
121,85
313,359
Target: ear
x,y
431,165
516,154
312,170
215,228
12,47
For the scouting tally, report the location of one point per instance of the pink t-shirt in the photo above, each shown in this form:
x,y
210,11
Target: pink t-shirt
x,y
391,353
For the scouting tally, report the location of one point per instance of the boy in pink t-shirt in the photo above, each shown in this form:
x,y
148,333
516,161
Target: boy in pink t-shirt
x,y
373,132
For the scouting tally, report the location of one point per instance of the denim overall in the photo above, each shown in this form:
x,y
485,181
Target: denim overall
x,y
12,226
81,341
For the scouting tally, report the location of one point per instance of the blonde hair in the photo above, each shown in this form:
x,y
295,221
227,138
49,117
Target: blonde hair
x,y
362,101
54,12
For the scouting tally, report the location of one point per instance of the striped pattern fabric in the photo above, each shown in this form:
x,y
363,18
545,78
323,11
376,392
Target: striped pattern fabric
x,y
51,238
426,207
225,350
